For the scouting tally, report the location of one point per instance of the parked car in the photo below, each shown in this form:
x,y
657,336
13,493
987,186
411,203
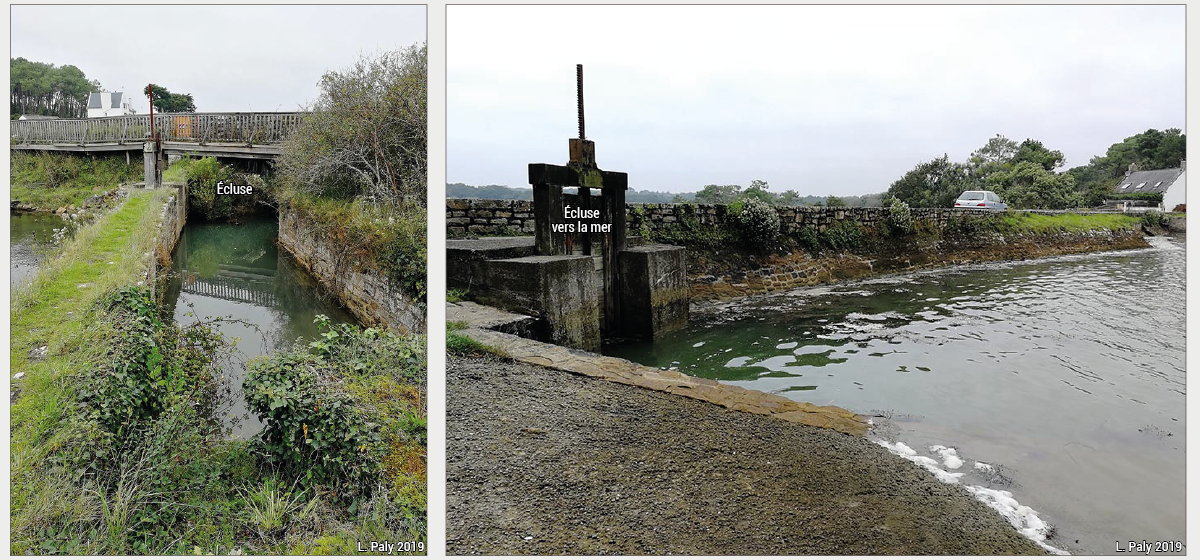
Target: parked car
x,y
980,199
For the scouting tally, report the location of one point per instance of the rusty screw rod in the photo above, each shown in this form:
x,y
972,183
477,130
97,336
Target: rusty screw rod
x,y
579,96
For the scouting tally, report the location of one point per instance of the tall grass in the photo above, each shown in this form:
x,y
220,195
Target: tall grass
x,y
49,181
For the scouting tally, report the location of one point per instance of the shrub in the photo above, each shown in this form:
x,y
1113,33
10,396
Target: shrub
x,y
202,178
366,135
735,208
332,411
844,235
760,224
312,429
152,366
809,238
900,217
1154,218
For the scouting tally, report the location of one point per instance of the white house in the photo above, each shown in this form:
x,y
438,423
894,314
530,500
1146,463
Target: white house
x,y
108,104
1172,183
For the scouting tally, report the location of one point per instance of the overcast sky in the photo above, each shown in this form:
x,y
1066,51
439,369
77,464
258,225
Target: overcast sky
x,y
821,99
230,58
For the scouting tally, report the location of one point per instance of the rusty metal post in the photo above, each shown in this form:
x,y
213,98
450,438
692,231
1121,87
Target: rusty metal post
x,y
151,88
579,97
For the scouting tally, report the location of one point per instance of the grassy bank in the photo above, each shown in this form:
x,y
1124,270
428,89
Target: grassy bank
x,y
1024,222
56,316
49,181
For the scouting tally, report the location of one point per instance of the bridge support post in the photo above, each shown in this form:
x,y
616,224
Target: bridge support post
x,y
150,159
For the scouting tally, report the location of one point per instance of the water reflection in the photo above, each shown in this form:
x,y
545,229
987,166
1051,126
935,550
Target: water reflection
x,y
30,240
236,271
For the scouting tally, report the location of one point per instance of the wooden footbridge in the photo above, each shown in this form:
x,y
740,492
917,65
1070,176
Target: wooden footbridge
x,y
234,135
161,138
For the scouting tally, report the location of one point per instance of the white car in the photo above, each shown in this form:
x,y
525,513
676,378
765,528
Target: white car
x,y
980,199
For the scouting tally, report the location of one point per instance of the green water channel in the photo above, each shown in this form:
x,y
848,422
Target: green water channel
x,y
1067,375
30,241
237,272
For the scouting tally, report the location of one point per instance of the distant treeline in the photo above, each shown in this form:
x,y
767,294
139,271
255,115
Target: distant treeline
x,y
710,194
38,88
1025,174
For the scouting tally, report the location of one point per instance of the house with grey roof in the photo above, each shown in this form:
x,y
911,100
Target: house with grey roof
x,y
1172,183
108,104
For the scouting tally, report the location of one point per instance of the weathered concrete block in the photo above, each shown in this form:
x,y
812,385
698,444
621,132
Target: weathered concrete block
x,y
466,259
654,290
561,290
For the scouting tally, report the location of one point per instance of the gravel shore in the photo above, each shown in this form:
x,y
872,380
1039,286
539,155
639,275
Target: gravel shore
x,y
541,461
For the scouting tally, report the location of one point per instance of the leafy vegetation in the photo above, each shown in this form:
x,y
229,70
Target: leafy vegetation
x,y
1147,196
356,167
688,231
49,181
1155,219
900,217
202,176
115,449
167,102
366,136
346,418
393,238
760,224
1024,174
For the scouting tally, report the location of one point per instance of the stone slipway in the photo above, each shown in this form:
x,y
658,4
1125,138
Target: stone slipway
x,y
482,321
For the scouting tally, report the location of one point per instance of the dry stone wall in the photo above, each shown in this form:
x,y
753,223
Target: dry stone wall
x,y
481,217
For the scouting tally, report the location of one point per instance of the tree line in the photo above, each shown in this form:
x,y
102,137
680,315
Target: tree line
x,y
38,88
1024,174
710,194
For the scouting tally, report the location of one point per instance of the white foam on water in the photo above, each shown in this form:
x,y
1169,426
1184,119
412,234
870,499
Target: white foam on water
x,y
698,344
1023,518
984,467
949,456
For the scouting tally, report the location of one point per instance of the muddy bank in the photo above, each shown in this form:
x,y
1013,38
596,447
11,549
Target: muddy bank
x,y
546,462
722,274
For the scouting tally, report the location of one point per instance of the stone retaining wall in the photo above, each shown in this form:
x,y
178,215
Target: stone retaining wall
x,y
476,216
741,275
360,286
172,218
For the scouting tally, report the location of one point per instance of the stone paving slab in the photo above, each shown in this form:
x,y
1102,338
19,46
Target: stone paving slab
x,y
481,316
618,370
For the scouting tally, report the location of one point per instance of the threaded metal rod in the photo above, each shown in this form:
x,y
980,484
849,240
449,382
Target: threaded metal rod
x,y
579,97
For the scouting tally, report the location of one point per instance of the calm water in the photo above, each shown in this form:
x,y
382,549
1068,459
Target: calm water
x,y
1067,375
236,271
30,240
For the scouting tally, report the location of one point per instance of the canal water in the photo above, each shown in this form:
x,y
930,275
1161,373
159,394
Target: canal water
x,y
237,272
30,240
1061,381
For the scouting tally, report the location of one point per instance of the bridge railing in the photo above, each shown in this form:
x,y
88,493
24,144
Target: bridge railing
x,y
236,128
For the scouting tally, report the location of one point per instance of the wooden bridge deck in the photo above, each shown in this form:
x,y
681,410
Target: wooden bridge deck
x,y
252,135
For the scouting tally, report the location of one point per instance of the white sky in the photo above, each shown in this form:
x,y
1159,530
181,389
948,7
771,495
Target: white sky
x,y
821,99
230,58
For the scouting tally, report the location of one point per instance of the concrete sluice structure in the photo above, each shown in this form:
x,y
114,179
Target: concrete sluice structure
x,y
577,274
